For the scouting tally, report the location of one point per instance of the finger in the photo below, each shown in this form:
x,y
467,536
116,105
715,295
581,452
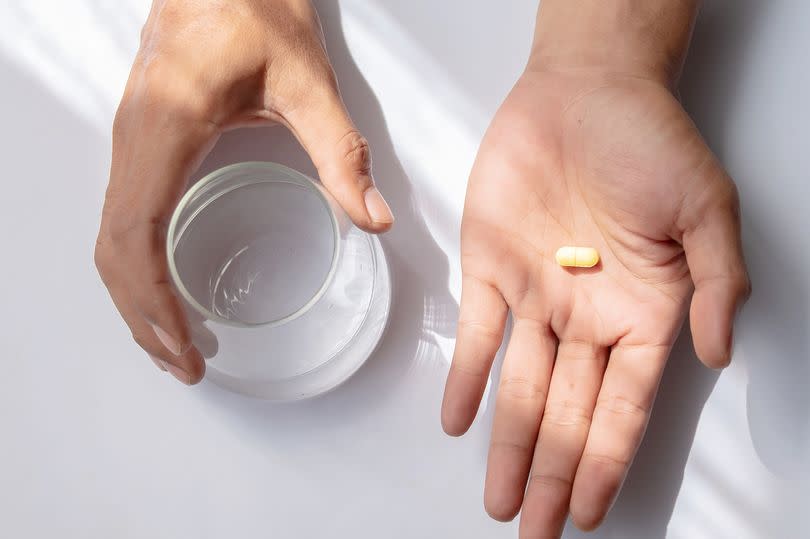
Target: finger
x,y
342,156
564,429
148,281
519,406
188,368
619,421
154,153
713,246
482,318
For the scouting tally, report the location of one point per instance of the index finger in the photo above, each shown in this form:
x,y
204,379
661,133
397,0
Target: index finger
x,y
482,319
155,149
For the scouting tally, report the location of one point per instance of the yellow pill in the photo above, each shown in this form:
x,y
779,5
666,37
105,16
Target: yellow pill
x,y
577,257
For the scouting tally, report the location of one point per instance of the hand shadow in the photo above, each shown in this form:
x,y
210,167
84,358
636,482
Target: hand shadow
x,y
422,304
645,505
771,342
774,347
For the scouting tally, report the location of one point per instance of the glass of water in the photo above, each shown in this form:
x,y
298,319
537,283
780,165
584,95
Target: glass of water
x,y
286,297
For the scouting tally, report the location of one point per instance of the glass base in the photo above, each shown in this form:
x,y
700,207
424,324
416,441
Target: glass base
x,y
318,367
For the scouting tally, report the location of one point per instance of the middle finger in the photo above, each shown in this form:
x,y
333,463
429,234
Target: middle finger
x,y
572,395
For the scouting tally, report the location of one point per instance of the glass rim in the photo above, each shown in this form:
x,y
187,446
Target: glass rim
x,y
173,235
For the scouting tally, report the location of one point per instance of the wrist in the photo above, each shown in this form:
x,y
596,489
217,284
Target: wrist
x,y
636,38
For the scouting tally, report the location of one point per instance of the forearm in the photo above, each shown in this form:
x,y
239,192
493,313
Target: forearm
x,y
645,38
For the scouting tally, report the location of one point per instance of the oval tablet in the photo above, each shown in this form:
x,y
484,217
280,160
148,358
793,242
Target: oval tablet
x,y
577,257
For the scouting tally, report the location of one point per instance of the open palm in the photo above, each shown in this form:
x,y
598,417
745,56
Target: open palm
x,y
599,161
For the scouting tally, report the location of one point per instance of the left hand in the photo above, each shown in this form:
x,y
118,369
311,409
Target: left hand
x,y
205,67
606,161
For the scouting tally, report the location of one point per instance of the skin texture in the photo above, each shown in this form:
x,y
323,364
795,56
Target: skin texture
x,y
591,148
583,154
204,67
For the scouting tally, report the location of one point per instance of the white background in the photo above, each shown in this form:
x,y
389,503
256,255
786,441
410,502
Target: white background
x,y
96,443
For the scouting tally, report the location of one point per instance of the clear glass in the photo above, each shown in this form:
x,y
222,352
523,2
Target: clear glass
x,y
287,298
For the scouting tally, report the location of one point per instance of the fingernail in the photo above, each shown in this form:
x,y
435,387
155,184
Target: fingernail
x,y
158,362
168,341
178,373
377,207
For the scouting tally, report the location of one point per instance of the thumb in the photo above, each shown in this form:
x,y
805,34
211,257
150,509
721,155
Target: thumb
x,y
710,224
343,159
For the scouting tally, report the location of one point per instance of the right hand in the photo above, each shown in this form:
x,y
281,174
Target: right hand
x,y
608,161
205,67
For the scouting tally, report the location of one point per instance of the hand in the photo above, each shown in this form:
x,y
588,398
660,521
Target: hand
x,y
205,67
587,158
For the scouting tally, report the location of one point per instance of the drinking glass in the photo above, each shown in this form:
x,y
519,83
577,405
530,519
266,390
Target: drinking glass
x,y
286,297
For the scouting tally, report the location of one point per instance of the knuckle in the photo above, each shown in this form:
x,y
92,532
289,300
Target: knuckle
x,y
523,389
608,460
618,405
122,228
123,240
158,92
718,198
729,193
548,480
118,230
520,447
478,328
725,198
577,350
737,282
356,153
566,414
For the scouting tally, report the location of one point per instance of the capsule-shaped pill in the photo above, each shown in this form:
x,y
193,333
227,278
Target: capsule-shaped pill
x,y
577,257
